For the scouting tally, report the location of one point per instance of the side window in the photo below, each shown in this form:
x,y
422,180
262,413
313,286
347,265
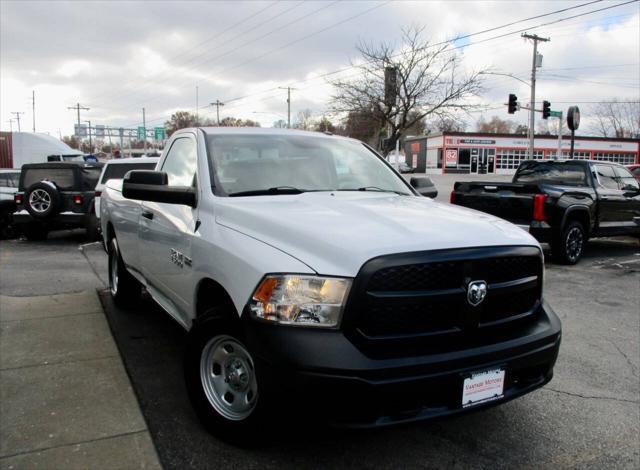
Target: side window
x,y
181,162
626,179
607,177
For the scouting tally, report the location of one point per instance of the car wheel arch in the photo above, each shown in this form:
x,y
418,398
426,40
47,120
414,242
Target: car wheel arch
x,y
580,214
211,294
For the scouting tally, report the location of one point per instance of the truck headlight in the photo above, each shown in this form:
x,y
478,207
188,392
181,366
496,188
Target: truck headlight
x,y
300,299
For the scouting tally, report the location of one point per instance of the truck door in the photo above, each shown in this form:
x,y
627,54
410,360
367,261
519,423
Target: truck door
x,y
631,192
166,231
611,199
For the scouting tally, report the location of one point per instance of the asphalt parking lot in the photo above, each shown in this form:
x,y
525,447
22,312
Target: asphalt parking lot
x,y
588,416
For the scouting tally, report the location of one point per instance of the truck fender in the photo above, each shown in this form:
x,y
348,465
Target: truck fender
x,y
574,210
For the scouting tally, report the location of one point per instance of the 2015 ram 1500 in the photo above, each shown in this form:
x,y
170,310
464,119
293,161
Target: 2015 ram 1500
x,y
310,273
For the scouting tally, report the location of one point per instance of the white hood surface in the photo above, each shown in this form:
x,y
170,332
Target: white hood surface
x,y
335,233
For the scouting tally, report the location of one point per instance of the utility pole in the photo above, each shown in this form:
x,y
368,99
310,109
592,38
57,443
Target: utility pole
x,y
17,113
288,104
144,126
90,143
77,107
10,121
33,108
217,104
535,38
196,105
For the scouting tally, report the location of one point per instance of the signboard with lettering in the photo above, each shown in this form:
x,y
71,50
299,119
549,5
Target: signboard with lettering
x,y
99,130
451,157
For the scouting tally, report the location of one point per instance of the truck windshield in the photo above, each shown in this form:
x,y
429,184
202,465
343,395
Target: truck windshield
x,y
563,173
290,164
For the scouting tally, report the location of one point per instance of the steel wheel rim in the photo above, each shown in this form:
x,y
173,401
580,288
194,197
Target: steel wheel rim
x,y
228,377
574,243
39,200
113,273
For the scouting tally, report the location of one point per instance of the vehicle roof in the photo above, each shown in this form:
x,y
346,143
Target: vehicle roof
x,y
579,162
78,164
266,131
132,160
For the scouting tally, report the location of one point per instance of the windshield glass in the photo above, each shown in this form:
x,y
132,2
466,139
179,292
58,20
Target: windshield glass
x,y
118,170
564,173
259,162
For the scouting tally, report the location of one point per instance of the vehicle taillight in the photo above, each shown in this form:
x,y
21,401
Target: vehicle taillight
x,y
452,197
77,198
98,193
17,198
538,207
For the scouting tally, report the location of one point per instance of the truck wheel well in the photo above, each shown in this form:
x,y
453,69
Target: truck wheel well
x,y
110,233
211,294
581,216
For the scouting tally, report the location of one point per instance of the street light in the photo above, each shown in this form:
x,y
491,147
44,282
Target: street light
x,y
506,75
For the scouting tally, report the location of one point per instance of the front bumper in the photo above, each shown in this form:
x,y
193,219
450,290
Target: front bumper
x,y
329,377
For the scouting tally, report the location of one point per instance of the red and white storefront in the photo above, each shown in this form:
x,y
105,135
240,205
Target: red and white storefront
x,y
461,152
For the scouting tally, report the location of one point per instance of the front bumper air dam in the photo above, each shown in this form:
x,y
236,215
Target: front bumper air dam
x,y
320,372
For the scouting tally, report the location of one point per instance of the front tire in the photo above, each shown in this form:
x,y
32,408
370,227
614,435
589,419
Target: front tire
x,y
221,380
569,246
124,288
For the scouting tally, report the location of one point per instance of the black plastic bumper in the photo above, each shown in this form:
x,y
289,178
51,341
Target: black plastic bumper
x,y
59,221
321,372
541,231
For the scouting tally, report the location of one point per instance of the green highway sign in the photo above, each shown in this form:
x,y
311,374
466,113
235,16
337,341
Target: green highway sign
x,y
141,133
159,133
557,114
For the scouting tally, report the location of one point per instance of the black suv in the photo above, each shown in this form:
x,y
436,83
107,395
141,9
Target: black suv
x,y
55,196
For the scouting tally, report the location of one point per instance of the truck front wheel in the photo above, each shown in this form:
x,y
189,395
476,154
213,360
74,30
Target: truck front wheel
x,y
221,379
569,246
124,288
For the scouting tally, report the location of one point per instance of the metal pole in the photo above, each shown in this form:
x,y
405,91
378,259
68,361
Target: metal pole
x,y
288,108
90,143
196,105
535,38
10,125
573,134
144,127
33,108
559,153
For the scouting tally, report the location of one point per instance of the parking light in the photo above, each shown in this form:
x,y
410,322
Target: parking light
x,y
300,300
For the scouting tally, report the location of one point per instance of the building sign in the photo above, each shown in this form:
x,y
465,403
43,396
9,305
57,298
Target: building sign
x,y
451,157
477,141
415,147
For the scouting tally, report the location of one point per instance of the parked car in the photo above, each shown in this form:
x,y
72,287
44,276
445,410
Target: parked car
x,y
404,168
313,278
8,188
424,186
54,196
563,203
116,169
635,171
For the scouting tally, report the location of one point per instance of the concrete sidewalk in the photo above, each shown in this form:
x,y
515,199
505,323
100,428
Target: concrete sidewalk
x,y
65,398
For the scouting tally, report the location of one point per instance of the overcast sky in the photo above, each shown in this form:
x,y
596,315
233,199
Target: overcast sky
x,y
117,57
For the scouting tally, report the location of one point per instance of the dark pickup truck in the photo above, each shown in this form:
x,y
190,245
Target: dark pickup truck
x,y
563,203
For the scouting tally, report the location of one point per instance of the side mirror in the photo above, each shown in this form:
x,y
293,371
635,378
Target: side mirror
x,y
149,185
424,186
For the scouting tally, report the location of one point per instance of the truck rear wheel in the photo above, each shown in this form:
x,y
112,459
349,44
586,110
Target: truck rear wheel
x,y
569,246
221,380
124,288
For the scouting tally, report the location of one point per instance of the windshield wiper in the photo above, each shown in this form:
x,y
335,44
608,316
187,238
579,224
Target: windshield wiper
x,y
270,191
375,188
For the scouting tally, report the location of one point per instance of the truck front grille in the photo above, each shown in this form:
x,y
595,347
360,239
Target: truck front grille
x,y
421,298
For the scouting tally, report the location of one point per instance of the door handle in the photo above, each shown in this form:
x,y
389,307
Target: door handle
x,y
147,215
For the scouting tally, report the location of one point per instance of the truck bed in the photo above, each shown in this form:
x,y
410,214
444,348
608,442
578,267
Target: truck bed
x,y
510,201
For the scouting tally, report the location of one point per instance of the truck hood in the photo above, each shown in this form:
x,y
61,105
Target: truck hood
x,y
336,233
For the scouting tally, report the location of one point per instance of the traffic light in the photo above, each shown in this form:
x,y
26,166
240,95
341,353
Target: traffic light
x,y
513,103
546,109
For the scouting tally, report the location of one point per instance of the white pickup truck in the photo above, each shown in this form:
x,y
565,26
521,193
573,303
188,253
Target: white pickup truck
x,y
313,278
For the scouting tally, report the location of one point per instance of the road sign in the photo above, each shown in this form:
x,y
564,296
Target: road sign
x,y
99,130
142,133
557,114
573,118
80,130
159,133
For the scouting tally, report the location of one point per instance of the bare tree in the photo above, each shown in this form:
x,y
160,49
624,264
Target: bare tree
x,y
617,119
443,124
304,120
430,83
495,125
